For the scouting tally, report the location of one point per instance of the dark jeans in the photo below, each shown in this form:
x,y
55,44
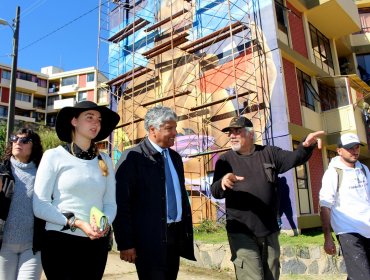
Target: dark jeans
x,y
255,258
68,257
356,254
171,269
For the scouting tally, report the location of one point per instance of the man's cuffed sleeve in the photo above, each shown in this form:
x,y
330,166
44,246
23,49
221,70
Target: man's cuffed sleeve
x,y
221,169
329,188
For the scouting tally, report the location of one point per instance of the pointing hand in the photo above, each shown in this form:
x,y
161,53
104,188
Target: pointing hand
x,y
229,180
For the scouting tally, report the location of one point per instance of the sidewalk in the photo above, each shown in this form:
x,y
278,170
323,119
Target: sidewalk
x,y
117,269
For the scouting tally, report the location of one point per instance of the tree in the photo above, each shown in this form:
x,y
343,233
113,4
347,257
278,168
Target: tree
x,y
49,138
2,137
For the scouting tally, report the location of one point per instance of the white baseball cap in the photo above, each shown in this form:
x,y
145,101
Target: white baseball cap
x,y
348,140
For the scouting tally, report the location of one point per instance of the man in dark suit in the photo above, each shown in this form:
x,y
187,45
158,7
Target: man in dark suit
x,y
153,226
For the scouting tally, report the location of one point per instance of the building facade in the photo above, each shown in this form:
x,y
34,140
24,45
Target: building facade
x,y
40,95
291,66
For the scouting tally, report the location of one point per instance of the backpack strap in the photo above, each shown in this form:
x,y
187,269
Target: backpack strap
x,y
340,177
363,170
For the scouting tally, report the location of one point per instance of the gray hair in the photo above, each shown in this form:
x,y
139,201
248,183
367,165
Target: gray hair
x,y
157,116
249,130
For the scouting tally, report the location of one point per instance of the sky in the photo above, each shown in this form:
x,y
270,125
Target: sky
x,y
51,33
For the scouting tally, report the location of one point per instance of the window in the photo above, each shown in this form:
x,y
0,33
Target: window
x,y
39,103
82,96
333,94
302,185
3,111
50,119
53,87
364,20
39,117
90,77
69,81
5,74
363,62
282,20
102,96
307,92
116,17
321,50
24,97
51,100
26,76
41,82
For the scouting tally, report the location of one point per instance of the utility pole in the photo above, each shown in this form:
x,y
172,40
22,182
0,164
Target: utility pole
x,y
13,77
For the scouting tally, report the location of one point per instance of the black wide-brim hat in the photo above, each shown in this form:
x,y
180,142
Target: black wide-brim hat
x,y
63,126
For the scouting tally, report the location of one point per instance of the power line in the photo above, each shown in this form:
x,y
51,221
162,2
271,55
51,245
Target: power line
x,y
60,28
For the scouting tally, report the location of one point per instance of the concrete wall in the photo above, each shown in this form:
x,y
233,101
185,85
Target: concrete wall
x,y
294,259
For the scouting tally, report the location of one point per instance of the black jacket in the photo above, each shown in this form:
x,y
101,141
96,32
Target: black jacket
x,y
141,220
5,201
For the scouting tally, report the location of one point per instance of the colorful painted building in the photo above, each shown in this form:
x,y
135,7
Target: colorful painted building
x,y
40,95
288,65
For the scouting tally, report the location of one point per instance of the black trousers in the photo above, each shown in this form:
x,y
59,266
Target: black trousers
x,y
356,254
69,257
171,269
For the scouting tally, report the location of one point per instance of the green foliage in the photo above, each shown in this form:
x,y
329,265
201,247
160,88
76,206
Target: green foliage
x,y
49,138
208,226
213,232
210,232
2,137
307,237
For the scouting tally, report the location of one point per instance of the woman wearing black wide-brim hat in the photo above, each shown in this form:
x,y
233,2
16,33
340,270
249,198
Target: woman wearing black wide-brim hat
x,y
71,180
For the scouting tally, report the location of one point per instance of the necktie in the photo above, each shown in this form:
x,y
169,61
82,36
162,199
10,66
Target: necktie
x,y
171,197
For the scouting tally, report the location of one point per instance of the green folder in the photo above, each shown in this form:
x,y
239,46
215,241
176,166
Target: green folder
x,y
100,219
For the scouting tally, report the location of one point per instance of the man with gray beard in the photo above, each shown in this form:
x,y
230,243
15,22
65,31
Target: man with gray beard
x,y
246,176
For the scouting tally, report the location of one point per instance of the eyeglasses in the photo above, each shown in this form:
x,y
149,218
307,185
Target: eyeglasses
x,y
23,140
235,131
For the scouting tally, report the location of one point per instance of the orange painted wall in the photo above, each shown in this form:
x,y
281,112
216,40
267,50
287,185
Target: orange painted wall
x,y
82,80
90,95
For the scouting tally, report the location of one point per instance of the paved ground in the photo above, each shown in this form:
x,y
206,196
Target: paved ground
x,y
117,269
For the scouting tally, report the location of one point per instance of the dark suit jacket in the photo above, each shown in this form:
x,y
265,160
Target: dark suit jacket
x,y
141,220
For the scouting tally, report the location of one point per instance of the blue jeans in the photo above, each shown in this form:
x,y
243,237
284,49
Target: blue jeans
x,y
255,258
19,262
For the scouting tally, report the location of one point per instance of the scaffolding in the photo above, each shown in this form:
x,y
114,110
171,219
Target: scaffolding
x,y
205,59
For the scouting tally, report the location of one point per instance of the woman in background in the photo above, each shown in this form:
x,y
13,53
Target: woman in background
x,y
19,229
70,181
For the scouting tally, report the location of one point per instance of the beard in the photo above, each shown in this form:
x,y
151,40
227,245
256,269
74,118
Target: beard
x,y
350,160
236,147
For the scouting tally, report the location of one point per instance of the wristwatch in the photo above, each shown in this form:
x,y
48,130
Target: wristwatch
x,y
71,220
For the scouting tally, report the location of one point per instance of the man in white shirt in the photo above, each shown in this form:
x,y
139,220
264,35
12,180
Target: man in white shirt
x,y
345,207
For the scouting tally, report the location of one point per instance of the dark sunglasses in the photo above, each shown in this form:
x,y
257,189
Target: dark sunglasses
x,y
23,140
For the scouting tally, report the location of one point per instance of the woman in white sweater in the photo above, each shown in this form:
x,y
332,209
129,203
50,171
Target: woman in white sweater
x,y
72,179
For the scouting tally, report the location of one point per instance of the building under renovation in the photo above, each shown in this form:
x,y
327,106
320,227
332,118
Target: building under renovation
x,y
287,65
